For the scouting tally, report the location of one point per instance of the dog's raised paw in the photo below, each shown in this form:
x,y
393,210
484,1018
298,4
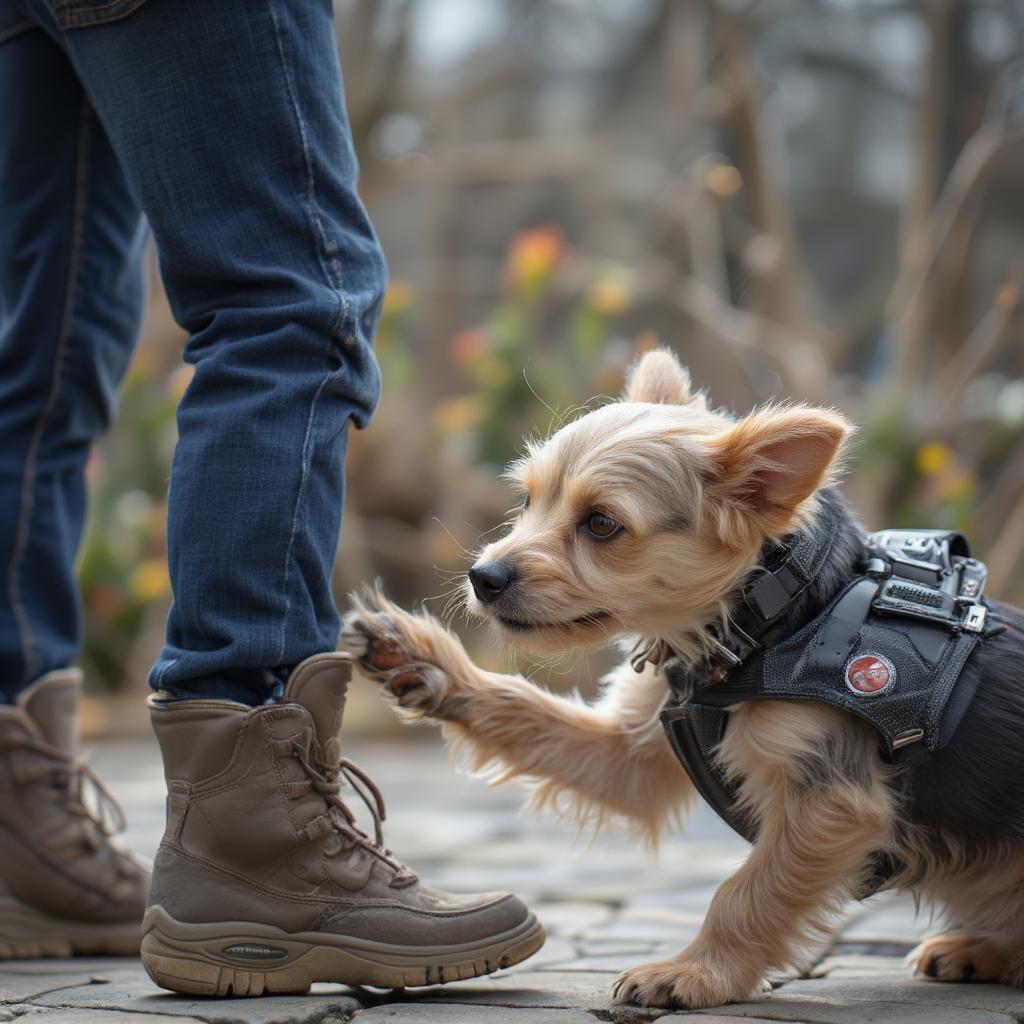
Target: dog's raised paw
x,y
673,985
418,687
384,655
373,641
957,958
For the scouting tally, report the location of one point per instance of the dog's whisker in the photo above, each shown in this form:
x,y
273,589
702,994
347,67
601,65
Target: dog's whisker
x,y
451,597
533,391
458,542
440,570
445,597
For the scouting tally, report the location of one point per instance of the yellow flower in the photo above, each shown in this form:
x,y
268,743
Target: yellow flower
x,y
933,458
723,180
460,413
150,579
610,296
533,255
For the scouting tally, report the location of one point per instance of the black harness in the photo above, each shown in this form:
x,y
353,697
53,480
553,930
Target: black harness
x,y
890,647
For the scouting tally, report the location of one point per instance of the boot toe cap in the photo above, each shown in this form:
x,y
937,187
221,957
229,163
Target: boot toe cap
x,y
459,919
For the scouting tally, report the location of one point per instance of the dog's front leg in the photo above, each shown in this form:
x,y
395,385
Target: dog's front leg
x,y
823,812
564,746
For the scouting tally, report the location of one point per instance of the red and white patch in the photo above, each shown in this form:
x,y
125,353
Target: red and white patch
x,y
869,674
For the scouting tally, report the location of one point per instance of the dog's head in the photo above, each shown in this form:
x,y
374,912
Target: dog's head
x,y
640,517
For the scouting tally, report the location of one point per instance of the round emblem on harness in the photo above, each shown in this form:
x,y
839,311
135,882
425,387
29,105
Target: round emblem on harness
x,y
868,675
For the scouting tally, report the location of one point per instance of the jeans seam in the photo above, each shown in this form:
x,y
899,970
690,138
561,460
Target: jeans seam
x,y
26,498
334,280
160,671
70,16
17,29
333,277
295,517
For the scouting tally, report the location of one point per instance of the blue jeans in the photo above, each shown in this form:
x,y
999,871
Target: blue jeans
x,y
221,123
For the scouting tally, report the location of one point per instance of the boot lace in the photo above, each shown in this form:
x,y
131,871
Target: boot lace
x,y
327,771
95,813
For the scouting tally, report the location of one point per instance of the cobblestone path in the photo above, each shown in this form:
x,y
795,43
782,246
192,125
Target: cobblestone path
x,y
606,906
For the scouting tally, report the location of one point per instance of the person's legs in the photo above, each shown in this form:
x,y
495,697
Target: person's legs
x,y
71,237
230,121
71,292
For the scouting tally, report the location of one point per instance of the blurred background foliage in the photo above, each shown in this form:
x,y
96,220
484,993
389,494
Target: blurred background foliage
x,y
811,199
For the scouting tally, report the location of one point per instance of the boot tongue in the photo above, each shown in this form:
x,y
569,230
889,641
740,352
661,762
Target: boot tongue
x,y
52,704
319,684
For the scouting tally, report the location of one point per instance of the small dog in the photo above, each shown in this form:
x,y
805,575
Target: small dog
x,y
640,520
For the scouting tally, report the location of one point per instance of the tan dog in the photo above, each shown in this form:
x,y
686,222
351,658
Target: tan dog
x,y
639,520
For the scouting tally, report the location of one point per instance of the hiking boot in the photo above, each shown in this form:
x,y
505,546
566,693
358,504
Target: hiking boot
x,y
65,889
264,883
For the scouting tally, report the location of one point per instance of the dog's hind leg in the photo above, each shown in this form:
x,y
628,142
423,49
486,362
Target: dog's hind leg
x,y
956,957
983,899
561,746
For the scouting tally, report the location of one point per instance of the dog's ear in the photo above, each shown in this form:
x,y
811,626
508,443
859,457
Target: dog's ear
x,y
765,466
658,377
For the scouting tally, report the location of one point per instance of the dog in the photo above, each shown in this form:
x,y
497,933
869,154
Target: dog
x,y
640,522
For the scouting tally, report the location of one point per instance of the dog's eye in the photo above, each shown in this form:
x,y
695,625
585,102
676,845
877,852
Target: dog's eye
x,y
601,527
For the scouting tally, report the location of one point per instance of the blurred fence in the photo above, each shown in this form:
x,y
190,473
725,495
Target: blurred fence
x,y
817,200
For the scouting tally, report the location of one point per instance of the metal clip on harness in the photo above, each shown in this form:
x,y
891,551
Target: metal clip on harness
x,y
928,575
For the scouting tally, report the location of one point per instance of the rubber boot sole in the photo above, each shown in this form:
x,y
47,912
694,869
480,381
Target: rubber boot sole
x,y
239,958
27,933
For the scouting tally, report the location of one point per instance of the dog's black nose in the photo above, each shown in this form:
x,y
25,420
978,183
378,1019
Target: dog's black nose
x,y
490,580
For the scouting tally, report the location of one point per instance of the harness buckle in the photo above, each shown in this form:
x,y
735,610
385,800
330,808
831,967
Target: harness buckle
x,y
973,576
947,591
906,597
720,648
907,737
877,567
974,619
734,644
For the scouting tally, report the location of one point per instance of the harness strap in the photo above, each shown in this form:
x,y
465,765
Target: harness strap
x,y
844,625
681,726
770,592
691,733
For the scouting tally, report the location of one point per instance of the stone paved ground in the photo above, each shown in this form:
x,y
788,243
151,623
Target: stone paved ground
x,y
606,906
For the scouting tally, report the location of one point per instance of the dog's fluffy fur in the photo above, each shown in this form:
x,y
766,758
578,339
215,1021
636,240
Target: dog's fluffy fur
x,y
698,496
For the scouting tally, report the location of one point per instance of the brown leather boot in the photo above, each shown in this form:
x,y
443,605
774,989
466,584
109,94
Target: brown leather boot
x,y
264,883
64,887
